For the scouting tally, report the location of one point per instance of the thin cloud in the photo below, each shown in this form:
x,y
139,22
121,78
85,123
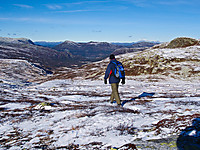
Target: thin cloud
x,y
105,9
74,11
4,18
146,3
86,2
58,21
175,2
97,31
53,6
138,3
162,2
42,20
23,19
23,6
141,3
75,8
62,5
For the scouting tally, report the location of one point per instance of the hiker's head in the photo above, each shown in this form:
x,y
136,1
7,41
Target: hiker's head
x,y
112,56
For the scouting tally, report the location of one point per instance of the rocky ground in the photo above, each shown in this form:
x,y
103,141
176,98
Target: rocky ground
x,y
78,115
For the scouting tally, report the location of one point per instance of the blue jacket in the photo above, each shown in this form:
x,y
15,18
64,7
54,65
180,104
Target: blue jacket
x,y
109,74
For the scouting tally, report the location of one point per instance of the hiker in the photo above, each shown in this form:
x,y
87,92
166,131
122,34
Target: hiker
x,y
113,80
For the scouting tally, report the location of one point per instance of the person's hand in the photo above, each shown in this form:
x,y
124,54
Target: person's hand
x,y
123,80
105,81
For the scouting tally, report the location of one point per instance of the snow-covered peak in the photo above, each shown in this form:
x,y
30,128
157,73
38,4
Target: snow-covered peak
x,y
147,41
93,43
71,43
97,43
15,40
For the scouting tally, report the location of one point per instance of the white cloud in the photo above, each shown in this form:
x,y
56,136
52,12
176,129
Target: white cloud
x,y
24,19
147,3
63,5
102,9
4,18
74,11
138,3
174,2
23,6
53,6
97,31
86,2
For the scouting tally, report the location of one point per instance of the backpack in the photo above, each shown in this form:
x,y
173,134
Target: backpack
x,y
119,70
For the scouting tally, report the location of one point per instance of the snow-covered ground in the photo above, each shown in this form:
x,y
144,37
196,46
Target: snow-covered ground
x,y
80,115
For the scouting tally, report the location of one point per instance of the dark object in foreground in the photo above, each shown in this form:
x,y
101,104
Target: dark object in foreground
x,y
189,139
144,94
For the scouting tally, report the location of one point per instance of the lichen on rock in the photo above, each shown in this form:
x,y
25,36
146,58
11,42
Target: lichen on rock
x,y
182,42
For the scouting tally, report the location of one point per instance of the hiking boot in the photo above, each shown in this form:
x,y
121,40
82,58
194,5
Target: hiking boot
x,y
119,105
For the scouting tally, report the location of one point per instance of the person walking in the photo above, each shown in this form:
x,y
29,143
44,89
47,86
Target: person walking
x,y
113,80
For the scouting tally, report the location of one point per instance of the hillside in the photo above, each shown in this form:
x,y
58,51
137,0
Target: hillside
x,y
135,47
13,41
20,48
19,71
177,63
70,109
66,54
90,51
94,51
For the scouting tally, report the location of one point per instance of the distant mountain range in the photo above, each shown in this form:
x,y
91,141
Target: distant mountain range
x,y
177,59
60,54
47,44
133,43
94,51
91,51
139,46
53,44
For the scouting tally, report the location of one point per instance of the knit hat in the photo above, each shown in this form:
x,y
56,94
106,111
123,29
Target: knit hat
x,y
112,56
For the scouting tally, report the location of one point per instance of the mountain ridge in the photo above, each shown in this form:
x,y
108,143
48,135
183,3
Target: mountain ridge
x,y
159,60
6,40
99,50
22,48
91,50
155,63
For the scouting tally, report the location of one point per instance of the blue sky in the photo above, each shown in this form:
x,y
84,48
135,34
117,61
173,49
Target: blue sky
x,y
100,20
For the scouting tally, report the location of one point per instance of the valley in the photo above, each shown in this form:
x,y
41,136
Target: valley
x,y
69,108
